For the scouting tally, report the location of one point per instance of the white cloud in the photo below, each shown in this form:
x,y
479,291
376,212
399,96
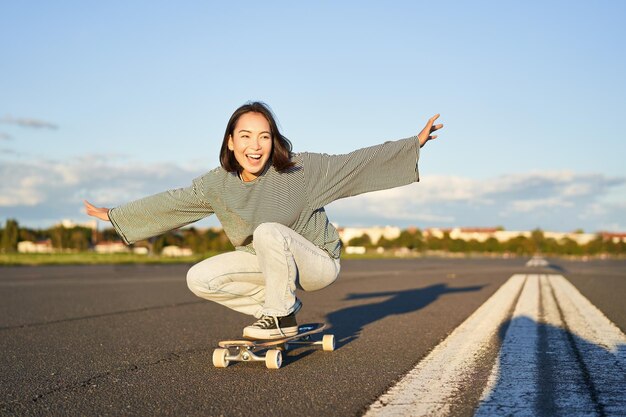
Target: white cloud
x,y
558,200
27,122
43,189
576,189
525,206
47,189
20,197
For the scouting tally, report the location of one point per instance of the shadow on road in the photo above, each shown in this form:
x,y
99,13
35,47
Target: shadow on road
x,y
558,373
556,267
348,322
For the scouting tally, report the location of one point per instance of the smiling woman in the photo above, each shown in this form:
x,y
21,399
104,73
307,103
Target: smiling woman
x,y
251,139
270,202
251,144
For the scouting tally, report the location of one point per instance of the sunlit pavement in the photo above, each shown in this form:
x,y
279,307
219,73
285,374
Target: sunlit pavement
x,y
557,355
132,340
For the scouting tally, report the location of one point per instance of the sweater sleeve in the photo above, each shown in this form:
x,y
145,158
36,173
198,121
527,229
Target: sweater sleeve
x,y
388,165
159,213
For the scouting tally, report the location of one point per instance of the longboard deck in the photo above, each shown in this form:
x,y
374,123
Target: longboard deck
x,y
303,331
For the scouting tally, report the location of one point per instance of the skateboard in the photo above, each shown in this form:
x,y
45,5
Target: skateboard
x,y
269,351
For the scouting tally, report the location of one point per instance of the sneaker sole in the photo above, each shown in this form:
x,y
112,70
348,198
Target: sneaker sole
x,y
261,334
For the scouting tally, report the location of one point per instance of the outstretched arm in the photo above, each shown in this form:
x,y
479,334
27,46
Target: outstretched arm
x,y
154,215
390,164
426,134
101,213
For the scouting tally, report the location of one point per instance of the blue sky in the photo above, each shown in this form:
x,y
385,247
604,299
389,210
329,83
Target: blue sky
x,y
112,101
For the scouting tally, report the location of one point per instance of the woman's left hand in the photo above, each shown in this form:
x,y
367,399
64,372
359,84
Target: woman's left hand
x,y
426,134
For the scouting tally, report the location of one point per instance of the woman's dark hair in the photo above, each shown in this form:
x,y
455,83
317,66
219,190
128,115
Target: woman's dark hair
x,y
281,146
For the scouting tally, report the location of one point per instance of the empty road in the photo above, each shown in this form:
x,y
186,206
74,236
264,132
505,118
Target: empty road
x,y
133,340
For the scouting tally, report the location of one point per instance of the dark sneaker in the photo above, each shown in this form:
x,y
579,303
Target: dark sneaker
x,y
272,327
297,306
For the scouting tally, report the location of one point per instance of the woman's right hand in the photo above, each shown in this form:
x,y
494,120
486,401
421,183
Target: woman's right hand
x,y
101,213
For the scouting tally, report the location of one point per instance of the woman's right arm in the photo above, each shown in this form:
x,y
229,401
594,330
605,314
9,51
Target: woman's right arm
x,y
156,214
101,213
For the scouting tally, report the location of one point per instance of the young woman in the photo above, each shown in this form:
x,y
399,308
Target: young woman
x,y
270,203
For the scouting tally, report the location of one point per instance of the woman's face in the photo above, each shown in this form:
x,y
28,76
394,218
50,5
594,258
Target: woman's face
x,y
251,143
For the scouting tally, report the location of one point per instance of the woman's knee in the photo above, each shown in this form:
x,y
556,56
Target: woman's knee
x,y
210,275
318,283
203,280
194,281
268,233
320,277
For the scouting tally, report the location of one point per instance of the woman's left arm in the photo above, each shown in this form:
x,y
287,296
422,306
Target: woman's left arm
x,y
388,165
426,134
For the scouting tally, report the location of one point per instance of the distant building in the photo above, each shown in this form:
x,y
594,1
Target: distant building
x,y
175,251
614,237
506,235
482,234
479,234
358,250
111,247
26,246
119,247
375,233
69,224
579,238
140,250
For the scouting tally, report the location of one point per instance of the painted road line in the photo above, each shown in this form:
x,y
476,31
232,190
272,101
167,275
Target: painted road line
x,y
559,356
563,384
600,347
511,388
431,387
578,359
587,321
537,371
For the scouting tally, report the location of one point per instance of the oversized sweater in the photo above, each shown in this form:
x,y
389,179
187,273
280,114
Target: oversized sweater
x,y
295,197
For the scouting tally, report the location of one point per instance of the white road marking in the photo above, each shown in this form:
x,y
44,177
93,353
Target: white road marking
x,y
429,389
600,344
566,391
512,384
559,356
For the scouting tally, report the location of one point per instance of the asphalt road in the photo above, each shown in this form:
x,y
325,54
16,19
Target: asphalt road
x,y
133,340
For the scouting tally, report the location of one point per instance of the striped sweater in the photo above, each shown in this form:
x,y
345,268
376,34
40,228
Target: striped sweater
x,y
295,197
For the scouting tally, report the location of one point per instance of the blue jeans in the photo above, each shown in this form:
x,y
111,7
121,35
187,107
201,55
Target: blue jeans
x,y
265,283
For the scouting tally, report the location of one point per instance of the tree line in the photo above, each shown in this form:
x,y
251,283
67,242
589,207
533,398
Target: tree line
x,y
521,245
81,238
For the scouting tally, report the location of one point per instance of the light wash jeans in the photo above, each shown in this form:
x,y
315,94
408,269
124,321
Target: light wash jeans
x,y
265,283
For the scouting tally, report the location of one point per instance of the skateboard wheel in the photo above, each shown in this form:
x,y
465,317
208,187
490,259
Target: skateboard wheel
x,y
219,358
328,342
273,359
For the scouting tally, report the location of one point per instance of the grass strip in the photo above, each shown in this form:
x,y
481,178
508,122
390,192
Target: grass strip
x,y
91,258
